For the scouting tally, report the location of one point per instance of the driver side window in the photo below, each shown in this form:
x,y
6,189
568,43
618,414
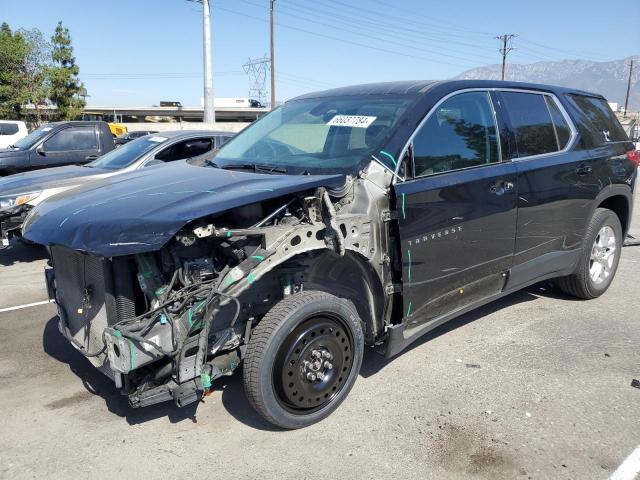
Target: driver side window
x,y
460,133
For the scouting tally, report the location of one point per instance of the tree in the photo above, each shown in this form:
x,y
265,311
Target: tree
x,y
36,67
66,89
13,83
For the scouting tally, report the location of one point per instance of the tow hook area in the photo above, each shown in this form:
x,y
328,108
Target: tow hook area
x,y
190,391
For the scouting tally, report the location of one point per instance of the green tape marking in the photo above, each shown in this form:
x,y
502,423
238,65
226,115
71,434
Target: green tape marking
x,y
409,309
258,257
409,268
388,155
199,306
133,355
190,317
229,234
251,278
206,380
404,214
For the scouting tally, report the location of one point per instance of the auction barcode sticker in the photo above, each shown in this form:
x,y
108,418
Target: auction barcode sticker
x,y
358,121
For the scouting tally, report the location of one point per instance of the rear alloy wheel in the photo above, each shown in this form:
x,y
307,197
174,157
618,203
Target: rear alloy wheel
x,y
599,257
303,358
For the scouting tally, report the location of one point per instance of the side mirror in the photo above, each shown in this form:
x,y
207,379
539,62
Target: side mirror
x,y
40,150
153,162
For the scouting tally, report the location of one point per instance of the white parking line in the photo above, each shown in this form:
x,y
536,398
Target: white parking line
x,y
629,468
18,307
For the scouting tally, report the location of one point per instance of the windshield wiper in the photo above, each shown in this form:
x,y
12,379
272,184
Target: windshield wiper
x,y
210,163
258,168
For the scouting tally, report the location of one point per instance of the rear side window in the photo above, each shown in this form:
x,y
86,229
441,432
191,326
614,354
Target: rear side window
x,y
460,133
186,149
71,139
563,132
606,125
531,122
8,128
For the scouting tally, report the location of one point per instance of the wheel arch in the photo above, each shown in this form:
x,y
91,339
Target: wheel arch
x,y
351,277
619,200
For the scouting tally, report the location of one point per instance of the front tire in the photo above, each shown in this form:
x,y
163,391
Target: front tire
x,y
599,257
303,359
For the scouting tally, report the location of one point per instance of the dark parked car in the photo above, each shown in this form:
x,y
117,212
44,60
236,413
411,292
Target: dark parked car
x,y
21,192
361,215
57,144
127,137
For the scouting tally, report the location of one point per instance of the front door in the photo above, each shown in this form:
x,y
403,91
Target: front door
x,y
73,145
457,215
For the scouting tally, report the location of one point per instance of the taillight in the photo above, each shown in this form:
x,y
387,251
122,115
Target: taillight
x,y
633,157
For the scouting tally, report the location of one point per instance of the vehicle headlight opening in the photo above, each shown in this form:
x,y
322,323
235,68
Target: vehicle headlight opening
x,y
11,201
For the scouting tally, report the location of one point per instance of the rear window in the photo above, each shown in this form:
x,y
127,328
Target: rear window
x,y
606,127
531,122
563,132
8,128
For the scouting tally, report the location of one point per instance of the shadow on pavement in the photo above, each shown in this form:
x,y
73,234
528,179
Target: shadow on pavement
x,y
373,362
18,252
57,347
233,397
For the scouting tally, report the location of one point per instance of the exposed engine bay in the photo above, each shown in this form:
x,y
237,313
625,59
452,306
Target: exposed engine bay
x,y
166,324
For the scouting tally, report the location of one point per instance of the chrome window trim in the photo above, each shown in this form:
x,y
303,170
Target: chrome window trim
x,y
572,127
563,112
428,115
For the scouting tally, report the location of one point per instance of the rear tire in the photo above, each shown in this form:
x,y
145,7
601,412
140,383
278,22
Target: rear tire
x,y
599,257
303,358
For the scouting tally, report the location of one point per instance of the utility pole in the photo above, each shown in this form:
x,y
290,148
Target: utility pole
x,y
507,41
209,110
626,100
273,63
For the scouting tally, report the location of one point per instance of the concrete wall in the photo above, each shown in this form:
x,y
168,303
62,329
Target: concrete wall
x,y
164,126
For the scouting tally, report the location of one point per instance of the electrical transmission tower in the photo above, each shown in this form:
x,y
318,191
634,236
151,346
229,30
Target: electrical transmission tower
x,y
257,69
507,46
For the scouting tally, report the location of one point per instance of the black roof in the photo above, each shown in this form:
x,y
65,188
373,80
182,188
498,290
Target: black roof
x,y
418,87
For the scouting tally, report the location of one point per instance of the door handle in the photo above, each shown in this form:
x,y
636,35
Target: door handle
x,y
91,157
584,170
501,187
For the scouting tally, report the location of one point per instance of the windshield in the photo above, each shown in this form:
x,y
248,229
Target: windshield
x,y
128,153
318,135
32,138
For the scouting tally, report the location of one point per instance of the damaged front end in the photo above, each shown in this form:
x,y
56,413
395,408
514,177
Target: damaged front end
x,y
165,324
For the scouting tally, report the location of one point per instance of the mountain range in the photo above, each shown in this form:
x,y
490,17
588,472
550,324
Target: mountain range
x,y
607,78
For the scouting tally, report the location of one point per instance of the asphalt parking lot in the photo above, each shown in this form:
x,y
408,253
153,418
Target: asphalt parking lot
x,y
537,385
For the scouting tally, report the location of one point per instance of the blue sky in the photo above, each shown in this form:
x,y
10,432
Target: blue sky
x,y
138,52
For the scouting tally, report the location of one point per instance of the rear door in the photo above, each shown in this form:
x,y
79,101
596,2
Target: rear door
x,y
457,215
556,183
73,145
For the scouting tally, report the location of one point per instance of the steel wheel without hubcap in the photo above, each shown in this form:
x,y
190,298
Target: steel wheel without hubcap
x,y
312,365
602,255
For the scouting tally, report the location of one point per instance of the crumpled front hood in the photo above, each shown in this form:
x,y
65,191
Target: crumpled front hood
x,y
37,180
140,211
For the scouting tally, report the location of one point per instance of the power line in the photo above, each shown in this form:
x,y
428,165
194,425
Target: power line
x,y
363,45
507,46
375,26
